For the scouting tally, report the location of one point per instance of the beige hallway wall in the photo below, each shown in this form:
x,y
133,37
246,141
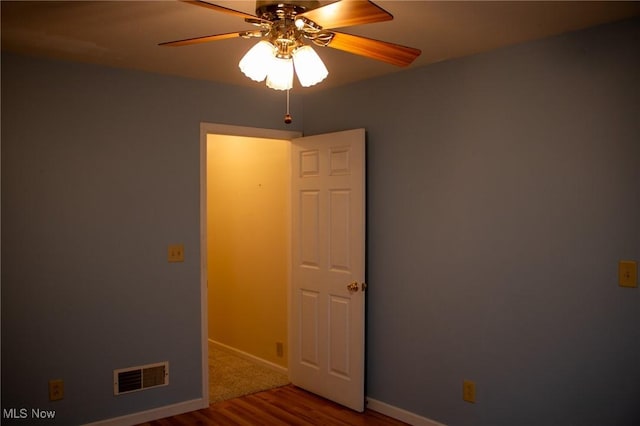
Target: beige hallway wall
x,y
247,226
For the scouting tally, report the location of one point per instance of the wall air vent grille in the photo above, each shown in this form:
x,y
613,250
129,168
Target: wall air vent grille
x,y
134,379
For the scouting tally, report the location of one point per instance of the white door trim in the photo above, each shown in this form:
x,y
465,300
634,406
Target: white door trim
x,y
230,130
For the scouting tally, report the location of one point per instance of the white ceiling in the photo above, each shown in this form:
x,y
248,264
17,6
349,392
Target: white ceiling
x,y
126,34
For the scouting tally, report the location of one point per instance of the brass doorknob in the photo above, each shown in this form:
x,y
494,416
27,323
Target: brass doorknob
x,y
353,287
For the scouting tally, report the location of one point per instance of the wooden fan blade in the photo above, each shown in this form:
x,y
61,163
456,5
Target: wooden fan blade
x,y
380,50
346,13
203,39
219,8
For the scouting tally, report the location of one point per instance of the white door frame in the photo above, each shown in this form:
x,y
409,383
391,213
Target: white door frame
x,y
229,130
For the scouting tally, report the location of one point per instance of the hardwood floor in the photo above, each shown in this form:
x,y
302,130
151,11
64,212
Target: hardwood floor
x,y
287,405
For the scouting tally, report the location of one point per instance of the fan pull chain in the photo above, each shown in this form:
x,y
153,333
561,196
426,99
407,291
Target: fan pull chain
x,y
287,116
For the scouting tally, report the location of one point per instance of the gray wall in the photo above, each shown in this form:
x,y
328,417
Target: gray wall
x,y
502,191
100,172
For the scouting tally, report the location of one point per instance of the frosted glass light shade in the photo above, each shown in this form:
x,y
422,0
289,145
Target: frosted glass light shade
x,y
256,62
309,67
280,75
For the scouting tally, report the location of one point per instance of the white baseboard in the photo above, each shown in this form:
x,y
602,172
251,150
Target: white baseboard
x,y
154,414
400,414
249,357
198,404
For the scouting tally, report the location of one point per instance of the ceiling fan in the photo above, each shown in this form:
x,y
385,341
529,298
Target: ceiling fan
x,y
283,29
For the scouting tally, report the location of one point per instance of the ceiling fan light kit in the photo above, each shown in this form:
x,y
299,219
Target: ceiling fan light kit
x,y
262,61
285,32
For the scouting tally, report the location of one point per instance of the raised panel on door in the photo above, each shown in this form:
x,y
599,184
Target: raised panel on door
x,y
309,343
339,232
308,236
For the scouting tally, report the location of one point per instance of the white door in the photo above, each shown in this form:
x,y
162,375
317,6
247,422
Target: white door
x,y
328,254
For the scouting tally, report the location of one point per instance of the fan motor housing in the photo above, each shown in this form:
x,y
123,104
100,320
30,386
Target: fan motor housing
x,y
269,9
279,12
307,5
282,31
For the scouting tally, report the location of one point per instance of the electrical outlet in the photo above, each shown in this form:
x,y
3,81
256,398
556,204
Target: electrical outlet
x,y
280,349
469,391
56,390
628,273
175,253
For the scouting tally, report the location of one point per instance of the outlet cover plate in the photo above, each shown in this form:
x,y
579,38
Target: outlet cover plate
x,y
175,253
628,273
56,390
469,391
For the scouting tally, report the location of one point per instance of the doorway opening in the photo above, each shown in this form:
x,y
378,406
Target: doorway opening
x,y
246,231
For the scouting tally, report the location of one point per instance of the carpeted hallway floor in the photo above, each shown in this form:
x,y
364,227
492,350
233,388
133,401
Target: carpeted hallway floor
x,y
231,376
